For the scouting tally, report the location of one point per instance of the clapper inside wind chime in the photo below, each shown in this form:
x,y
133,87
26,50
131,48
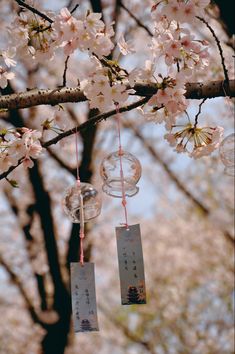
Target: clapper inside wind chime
x,y
82,203
120,172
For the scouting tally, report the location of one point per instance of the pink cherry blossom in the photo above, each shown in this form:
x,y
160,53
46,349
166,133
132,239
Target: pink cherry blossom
x,y
93,23
125,47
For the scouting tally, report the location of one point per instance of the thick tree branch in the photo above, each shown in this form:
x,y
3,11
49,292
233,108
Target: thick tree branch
x,y
37,97
194,91
53,97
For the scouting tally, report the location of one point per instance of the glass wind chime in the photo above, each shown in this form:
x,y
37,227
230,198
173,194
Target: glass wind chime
x,y
82,203
120,172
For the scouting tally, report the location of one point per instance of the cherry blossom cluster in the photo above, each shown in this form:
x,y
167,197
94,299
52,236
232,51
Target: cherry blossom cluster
x,y
184,55
203,141
102,88
89,34
180,48
34,38
19,145
107,84
179,10
31,36
6,62
170,96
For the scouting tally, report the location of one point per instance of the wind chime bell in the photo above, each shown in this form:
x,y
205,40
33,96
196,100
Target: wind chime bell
x,y
114,182
91,202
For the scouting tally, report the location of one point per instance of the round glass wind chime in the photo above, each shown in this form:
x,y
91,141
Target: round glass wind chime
x,y
81,202
121,171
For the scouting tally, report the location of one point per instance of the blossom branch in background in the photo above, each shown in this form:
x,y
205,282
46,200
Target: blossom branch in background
x,y
219,47
34,10
138,22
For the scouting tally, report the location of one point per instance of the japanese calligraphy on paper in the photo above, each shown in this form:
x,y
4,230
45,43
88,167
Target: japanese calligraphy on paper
x,y
131,265
83,297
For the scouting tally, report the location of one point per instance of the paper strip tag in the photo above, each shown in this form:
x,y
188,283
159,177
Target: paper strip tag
x,y
131,265
83,297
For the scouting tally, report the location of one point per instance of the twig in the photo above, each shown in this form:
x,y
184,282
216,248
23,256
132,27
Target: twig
x,y
65,70
61,162
74,9
94,120
199,112
219,47
35,11
139,23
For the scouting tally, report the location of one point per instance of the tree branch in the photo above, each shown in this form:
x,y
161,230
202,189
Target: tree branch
x,y
138,22
218,45
53,97
65,70
33,10
194,91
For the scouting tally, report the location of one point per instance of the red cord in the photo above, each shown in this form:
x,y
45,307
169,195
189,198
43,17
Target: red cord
x,y
82,233
120,153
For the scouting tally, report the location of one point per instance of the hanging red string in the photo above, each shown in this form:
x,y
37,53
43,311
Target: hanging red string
x,y
82,229
120,153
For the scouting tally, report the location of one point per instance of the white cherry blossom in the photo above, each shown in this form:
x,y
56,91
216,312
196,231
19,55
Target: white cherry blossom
x,y
125,47
5,76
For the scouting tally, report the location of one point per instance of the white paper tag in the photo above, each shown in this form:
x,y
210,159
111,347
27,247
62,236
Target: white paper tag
x,y
131,265
83,297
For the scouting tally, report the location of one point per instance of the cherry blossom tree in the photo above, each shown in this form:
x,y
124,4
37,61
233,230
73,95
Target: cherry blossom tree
x,y
66,69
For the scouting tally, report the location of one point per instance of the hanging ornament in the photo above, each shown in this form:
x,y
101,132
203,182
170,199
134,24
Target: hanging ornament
x,y
110,173
227,154
120,172
82,203
91,202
